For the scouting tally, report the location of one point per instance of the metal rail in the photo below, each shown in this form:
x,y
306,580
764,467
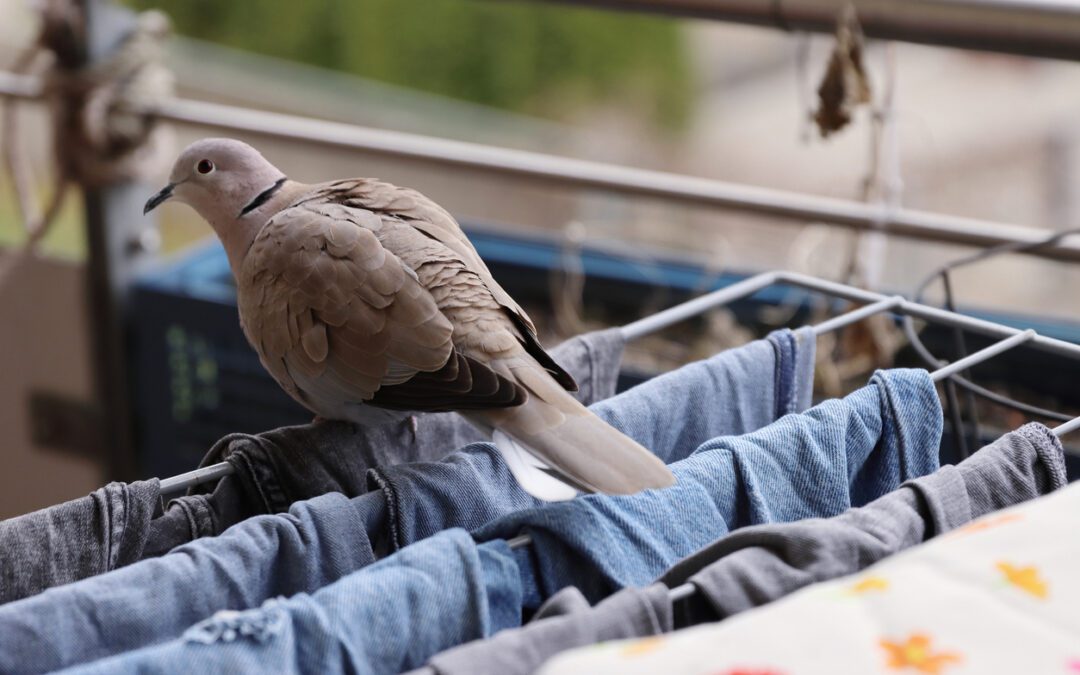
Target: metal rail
x,y
1067,428
1011,337
751,285
196,477
1041,28
948,370
576,173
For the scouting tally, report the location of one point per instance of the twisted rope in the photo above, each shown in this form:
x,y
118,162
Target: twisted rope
x,y
99,138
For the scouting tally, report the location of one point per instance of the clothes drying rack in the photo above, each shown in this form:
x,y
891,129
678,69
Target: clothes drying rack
x,y
944,372
878,302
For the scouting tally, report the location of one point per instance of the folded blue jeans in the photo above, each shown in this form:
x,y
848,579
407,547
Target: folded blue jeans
x,y
733,393
756,565
323,539
77,539
378,620
386,618
275,469
841,453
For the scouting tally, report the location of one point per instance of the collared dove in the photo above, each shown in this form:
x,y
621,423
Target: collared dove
x,y
366,302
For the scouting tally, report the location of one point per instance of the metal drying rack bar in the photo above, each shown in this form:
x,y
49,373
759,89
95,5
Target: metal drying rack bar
x,y
878,302
794,207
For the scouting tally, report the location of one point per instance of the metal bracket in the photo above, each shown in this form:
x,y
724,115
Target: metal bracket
x,y
66,424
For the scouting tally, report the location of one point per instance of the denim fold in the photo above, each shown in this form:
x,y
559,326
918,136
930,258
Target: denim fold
x,y
275,469
323,539
77,539
598,543
732,393
756,565
841,453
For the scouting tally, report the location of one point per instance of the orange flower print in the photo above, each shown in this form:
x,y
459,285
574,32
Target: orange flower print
x,y
869,584
917,653
642,646
987,523
1025,578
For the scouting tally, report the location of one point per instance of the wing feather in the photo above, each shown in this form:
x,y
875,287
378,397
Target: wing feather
x,y
338,317
331,312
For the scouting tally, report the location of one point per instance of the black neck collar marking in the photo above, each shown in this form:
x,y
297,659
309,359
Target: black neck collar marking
x,y
262,197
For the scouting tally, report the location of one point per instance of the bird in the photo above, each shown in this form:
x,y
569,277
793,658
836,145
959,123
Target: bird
x,y
367,303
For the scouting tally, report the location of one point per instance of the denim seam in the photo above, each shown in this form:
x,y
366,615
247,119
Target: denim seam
x,y
593,379
210,516
804,346
262,467
789,373
891,424
263,482
181,504
393,508
196,513
779,356
108,513
116,535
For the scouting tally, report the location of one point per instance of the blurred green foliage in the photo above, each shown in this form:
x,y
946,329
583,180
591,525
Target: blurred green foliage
x,y
532,57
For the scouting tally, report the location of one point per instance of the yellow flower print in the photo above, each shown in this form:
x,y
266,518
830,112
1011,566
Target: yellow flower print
x,y
869,584
643,646
916,652
1025,578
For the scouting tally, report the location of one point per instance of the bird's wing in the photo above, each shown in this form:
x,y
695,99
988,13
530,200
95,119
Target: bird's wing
x,y
338,319
436,223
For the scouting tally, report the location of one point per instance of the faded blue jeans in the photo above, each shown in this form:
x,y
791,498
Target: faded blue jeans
x,y
841,453
389,617
733,393
323,539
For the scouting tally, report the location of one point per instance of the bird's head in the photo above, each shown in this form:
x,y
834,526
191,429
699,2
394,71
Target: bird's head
x,y
222,179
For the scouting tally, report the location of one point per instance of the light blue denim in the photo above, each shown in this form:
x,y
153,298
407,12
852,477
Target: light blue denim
x,y
733,393
440,592
801,466
839,454
323,539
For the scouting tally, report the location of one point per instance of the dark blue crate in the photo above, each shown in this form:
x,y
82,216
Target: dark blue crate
x,y
196,378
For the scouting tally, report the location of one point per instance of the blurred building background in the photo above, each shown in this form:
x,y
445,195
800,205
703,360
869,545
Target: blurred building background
x,y
987,136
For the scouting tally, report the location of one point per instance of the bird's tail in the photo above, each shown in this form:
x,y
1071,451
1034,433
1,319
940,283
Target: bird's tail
x,y
555,446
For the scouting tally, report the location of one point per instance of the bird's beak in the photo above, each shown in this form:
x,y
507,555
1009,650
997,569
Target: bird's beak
x,y
157,199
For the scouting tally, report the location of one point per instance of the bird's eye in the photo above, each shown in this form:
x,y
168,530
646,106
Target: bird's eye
x,y
204,166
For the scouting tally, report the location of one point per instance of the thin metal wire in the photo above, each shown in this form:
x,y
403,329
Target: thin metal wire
x,y
673,315
196,477
1068,427
929,313
746,287
971,409
681,592
687,190
520,541
982,355
858,315
942,272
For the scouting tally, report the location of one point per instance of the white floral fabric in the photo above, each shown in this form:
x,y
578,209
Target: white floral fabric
x,y
1000,595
